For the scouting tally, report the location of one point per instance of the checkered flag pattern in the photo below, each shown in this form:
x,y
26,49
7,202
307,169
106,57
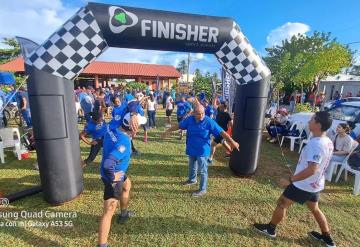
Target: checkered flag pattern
x,y
71,48
240,59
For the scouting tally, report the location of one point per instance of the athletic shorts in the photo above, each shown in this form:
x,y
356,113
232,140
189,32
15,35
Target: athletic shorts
x,y
179,119
169,112
218,139
300,196
109,192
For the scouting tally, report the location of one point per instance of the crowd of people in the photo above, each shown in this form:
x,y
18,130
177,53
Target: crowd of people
x,y
206,122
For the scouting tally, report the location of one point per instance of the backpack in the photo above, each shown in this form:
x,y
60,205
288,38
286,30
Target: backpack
x,y
354,159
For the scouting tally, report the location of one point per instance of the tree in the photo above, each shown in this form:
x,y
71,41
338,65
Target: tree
x,y
182,67
329,61
286,60
7,54
203,83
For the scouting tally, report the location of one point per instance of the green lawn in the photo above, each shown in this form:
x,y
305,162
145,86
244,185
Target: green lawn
x,y
166,213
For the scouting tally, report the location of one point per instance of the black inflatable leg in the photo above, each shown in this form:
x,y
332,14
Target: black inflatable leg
x,y
24,193
53,115
250,104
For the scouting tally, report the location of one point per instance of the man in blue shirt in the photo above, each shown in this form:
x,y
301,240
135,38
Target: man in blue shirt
x,y
184,109
199,130
87,103
209,109
24,106
114,165
96,128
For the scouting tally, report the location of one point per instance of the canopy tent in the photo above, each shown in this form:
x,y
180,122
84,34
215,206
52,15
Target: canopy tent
x,y
7,78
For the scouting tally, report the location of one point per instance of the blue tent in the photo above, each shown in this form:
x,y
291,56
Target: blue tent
x,y
7,78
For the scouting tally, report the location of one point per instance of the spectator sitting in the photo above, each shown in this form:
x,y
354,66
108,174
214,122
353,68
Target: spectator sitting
x,y
277,124
342,142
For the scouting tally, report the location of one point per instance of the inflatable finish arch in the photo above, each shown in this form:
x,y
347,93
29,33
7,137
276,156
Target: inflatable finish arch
x,y
53,66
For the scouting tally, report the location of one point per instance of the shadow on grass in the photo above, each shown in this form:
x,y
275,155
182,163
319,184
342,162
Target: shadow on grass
x,y
11,185
28,237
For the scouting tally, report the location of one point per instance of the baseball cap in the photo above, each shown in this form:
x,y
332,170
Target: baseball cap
x,y
126,121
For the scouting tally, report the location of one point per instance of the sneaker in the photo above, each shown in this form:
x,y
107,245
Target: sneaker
x,y
135,153
273,140
199,193
265,229
123,218
188,183
326,239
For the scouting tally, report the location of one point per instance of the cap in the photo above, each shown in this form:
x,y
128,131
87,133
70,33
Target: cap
x,y
126,121
139,96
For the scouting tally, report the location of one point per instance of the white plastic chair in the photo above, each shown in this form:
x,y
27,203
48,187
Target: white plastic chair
x,y
305,141
333,165
346,168
300,127
10,137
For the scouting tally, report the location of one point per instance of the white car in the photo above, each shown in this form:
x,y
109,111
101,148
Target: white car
x,y
331,104
347,112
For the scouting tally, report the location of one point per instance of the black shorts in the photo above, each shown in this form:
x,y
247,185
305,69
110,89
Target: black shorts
x,y
218,139
109,192
179,119
168,113
300,196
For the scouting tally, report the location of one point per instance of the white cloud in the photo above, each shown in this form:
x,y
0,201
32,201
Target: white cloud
x,y
148,56
199,55
286,31
35,19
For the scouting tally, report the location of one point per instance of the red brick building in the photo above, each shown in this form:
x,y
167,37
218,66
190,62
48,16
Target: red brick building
x,y
102,73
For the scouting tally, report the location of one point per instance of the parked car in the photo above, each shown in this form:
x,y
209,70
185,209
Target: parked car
x,y
346,112
333,103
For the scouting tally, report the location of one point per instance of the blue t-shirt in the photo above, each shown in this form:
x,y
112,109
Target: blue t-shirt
x,y
198,135
209,111
108,97
97,131
117,148
87,104
121,111
118,113
128,97
202,96
82,96
182,108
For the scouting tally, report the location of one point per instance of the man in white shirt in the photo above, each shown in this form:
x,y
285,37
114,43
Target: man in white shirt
x,y
169,110
308,180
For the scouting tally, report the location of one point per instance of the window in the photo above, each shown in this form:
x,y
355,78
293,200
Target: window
x,y
345,113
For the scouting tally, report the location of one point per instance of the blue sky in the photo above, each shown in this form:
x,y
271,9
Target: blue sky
x,y
265,23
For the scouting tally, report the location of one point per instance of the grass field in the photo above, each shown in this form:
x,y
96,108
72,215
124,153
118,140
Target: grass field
x,y
166,214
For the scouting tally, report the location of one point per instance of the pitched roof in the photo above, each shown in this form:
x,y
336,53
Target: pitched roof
x,y
110,69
